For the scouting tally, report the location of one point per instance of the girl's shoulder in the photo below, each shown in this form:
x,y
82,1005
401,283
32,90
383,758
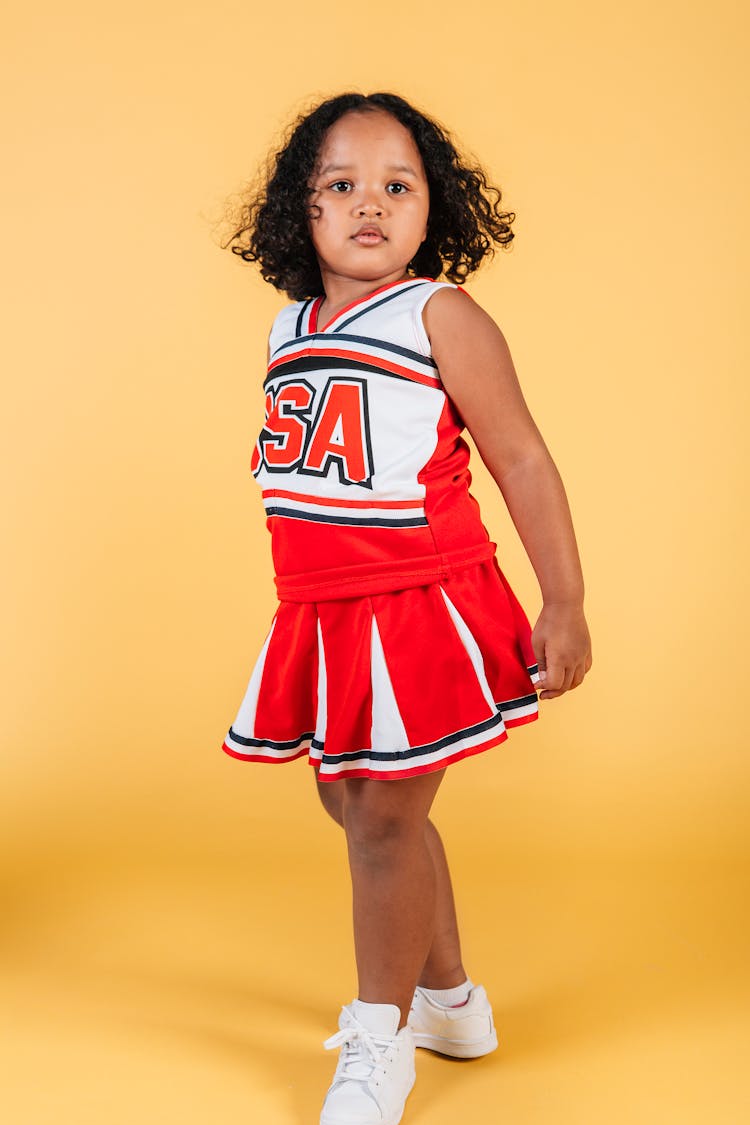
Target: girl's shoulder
x,y
457,313
290,321
423,301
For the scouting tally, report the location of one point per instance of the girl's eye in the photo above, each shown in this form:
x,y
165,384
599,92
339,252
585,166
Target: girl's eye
x,y
343,186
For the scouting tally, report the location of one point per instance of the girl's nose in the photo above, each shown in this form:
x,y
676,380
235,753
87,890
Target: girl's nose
x,y
371,208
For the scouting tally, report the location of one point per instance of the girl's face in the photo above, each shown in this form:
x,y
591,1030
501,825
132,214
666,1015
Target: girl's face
x,y
369,173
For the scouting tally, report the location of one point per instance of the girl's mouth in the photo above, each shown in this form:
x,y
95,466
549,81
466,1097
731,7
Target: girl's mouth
x,y
369,238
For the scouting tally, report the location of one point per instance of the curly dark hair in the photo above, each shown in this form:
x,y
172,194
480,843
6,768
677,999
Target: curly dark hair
x,y
270,220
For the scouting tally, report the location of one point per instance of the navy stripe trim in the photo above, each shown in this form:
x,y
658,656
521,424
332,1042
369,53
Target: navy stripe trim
x,y
412,751
371,340
366,521
300,318
331,363
292,744
383,300
397,755
515,704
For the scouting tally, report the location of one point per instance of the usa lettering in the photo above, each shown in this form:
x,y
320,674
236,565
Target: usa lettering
x,y
314,433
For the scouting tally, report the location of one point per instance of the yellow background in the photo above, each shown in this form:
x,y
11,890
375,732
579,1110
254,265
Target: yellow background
x,y
176,936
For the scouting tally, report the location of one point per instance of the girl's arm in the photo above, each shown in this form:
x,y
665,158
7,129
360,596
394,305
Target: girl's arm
x,y
477,372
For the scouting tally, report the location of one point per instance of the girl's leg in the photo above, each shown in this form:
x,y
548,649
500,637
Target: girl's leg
x,y
393,884
443,967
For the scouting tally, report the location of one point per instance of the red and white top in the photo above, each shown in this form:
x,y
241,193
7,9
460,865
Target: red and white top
x,y
364,473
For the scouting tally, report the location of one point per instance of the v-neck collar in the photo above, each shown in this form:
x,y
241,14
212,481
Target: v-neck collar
x,y
313,322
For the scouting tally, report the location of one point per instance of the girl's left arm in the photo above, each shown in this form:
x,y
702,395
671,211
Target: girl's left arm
x,y
477,373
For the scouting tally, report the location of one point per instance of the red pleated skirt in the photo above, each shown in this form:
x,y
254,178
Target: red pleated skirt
x,y
391,685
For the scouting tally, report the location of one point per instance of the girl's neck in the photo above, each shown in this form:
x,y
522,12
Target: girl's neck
x,y
342,291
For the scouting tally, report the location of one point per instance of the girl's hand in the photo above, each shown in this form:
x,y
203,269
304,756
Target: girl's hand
x,y
562,647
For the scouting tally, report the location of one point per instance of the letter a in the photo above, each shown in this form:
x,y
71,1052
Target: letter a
x,y
339,434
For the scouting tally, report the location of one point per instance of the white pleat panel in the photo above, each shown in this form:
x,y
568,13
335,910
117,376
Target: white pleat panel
x,y
321,721
388,730
244,724
471,647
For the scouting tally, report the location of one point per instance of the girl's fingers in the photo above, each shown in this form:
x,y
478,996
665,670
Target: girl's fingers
x,y
580,672
556,676
584,669
554,680
560,678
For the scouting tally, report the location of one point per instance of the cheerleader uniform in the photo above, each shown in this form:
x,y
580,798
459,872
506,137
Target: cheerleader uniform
x,y
398,646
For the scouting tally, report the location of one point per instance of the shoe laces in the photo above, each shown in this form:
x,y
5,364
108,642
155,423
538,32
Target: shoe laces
x,y
361,1051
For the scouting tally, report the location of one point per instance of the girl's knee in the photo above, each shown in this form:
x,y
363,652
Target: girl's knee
x,y
380,821
377,828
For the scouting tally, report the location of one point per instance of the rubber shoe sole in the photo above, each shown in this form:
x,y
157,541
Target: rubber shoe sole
x,y
457,1048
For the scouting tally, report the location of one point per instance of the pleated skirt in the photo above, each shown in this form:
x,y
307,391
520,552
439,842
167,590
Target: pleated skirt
x,y
391,685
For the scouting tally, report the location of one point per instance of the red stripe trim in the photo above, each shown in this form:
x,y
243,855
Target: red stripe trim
x,y
396,774
360,300
522,720
312,323
261,757
271,492
415,771
374,360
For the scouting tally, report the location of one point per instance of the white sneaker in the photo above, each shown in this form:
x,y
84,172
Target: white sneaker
x,y
464,1033
375,1072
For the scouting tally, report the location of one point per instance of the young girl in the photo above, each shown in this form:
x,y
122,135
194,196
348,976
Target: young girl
x,y
398,647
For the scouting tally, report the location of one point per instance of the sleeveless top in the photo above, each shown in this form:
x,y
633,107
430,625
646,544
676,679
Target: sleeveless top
x,y
363,471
